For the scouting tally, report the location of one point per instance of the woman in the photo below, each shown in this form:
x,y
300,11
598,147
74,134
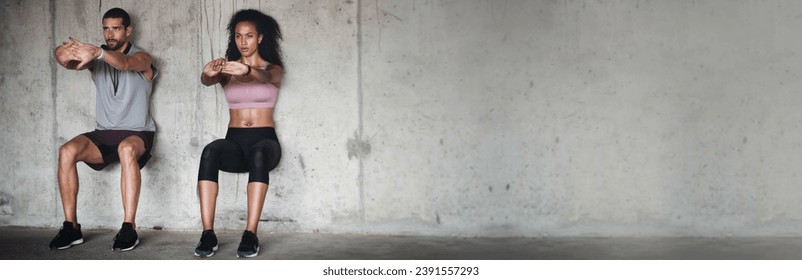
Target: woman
x,y
251,77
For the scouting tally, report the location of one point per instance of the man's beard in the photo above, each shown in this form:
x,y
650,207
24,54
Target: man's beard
x,y
115,47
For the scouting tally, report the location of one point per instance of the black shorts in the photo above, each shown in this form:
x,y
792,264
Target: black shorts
x,y
107,142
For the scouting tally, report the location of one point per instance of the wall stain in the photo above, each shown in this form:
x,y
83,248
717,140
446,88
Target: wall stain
x,y
275,219
385,13
357,148
5,204
303,165
79,15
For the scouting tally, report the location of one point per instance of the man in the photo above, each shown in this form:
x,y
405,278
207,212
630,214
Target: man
x,y
123,75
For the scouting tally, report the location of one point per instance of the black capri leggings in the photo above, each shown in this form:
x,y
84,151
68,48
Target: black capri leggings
x,y
253,150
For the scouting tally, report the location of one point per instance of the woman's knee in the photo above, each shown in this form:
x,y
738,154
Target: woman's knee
x,y
265,155
264,158
210,161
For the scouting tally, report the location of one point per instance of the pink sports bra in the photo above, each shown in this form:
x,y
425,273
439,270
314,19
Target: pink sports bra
x,y
250,95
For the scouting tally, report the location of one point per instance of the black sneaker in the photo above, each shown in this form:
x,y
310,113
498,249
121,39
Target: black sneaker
x,y
249,246
207,244
67,236
126,239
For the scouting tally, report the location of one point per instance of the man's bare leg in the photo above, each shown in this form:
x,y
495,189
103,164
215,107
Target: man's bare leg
x,y
78,149
129,151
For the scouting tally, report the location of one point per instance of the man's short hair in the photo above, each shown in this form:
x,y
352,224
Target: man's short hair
x,y
119,13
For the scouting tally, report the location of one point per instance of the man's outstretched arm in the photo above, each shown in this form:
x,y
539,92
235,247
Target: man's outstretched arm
x,y
139,62
65,57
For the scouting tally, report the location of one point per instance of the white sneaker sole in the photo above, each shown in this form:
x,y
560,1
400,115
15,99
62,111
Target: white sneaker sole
x,y
248,256
76,242
129,248
214,249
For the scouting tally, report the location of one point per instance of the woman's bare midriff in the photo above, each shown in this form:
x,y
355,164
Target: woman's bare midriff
x,y
246,118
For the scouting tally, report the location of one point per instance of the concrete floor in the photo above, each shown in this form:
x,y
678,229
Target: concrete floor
x,y
32,244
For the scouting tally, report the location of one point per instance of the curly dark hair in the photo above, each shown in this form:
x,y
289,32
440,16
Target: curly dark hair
x,y
265,25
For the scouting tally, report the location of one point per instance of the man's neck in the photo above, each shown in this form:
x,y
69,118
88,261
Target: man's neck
x,y
123,47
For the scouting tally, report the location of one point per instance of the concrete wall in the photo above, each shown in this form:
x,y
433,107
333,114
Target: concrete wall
x,y
469,118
